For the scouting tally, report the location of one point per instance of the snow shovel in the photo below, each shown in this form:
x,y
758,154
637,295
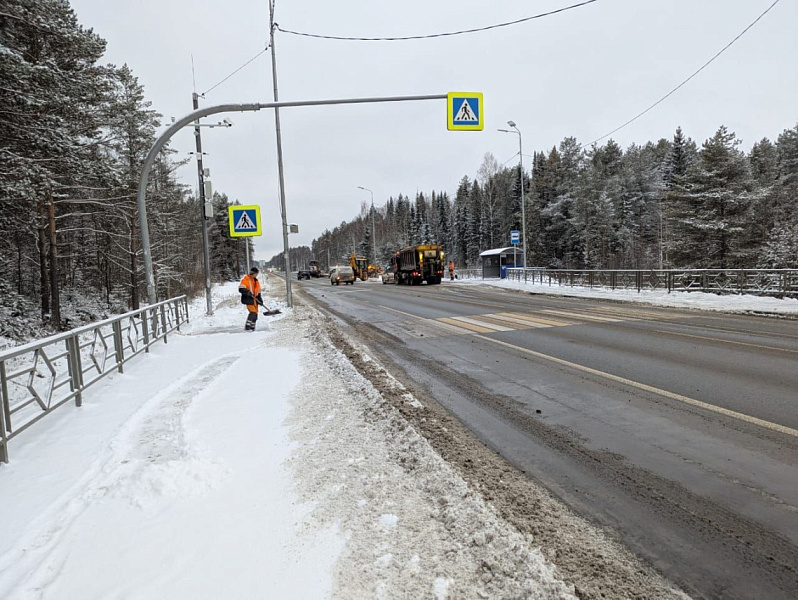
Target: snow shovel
x,y
269,312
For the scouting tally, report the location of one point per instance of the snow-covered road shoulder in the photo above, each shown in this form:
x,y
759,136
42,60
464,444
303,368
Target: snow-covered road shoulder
x,y
414,528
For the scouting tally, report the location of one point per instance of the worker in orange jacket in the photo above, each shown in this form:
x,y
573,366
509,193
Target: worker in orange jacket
x,y
249,288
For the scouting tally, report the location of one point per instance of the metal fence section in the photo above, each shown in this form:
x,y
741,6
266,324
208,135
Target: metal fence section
x,y
763,282
468,273
38,377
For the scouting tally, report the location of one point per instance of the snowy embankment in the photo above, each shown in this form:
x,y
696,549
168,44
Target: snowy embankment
x,y
730,303
255,465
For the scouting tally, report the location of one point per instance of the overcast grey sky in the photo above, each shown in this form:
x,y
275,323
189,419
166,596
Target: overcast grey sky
x,y
580,73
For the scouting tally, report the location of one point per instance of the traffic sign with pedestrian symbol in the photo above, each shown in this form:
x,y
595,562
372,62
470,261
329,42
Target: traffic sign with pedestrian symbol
x,y
244,221
464,111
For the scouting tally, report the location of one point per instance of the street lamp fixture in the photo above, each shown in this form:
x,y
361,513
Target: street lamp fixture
x,y
521,176
223,123
373,230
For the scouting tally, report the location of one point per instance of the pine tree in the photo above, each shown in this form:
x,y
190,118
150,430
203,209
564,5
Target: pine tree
x,y
474,225
677,204
720,184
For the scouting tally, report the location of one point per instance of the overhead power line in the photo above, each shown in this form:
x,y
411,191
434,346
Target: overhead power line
x,y
433,35
234,72
704,66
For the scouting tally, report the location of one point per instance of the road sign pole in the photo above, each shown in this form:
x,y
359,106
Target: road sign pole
x,y
201,175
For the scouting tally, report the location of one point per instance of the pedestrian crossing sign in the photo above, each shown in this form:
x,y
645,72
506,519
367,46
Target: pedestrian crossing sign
x,y
464,111
244,221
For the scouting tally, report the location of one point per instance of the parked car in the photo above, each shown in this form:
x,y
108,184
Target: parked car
x,y
341,275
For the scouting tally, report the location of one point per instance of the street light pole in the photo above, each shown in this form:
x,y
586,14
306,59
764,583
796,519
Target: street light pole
x,y
521,177
373,230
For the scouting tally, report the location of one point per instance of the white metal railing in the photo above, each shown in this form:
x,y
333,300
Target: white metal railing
x,y
468,273
38,377
763,282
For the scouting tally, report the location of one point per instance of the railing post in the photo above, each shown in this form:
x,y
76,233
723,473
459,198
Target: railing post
x,y
145,330
75,368
163,322
5,413
118,345
185,305
177,314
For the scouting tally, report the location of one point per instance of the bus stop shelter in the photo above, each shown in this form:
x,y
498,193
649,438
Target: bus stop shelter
x,y
496,261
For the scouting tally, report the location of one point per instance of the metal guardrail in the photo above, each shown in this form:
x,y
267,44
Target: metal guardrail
x,y
38,377
762,282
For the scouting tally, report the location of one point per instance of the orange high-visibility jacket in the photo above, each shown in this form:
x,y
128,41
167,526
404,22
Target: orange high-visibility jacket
x,y
253,285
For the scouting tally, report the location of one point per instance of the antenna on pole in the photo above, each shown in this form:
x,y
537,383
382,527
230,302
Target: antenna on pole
x,y
193,75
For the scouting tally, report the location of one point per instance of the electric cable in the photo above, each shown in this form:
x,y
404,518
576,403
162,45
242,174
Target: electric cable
x,y
433,35
704,66
234,72
508,160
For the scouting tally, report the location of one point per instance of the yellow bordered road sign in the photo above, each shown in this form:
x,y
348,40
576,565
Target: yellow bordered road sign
x,y
465,111
244,221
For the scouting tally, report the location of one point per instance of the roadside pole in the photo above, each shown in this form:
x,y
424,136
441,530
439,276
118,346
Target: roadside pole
x,y
201,176
288,296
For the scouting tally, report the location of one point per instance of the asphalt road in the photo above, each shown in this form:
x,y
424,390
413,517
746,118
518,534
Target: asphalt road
x,y
677,430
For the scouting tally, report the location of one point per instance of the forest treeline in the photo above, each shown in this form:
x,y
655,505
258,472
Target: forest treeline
x,y
665,204
73,136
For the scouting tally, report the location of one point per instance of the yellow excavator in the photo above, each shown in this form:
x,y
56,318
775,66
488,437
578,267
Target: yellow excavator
x,y
360,266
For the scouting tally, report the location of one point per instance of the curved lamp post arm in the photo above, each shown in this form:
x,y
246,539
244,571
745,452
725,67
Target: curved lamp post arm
x,y
145,172
212,110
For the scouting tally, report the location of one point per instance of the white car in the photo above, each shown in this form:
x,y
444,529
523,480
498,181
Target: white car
x,y
341,275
